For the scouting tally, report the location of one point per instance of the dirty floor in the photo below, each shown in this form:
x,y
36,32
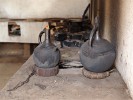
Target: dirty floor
x,y
6,72
69,84
9,66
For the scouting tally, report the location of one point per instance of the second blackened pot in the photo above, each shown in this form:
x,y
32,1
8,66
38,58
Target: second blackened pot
x,y
97,54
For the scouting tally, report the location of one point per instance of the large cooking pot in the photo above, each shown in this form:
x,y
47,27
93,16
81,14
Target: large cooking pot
x,y
97,54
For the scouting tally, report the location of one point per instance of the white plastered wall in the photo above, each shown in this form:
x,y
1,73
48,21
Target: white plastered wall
x,y
29,32
117,26
19,9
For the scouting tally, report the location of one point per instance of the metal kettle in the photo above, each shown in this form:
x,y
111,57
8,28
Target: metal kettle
x,y
97,54
46,54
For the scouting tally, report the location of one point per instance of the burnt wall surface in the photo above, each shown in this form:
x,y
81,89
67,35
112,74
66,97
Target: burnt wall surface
x,y
117,26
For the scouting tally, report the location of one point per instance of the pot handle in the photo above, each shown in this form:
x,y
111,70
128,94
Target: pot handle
x,y
40,35
94,30
87,8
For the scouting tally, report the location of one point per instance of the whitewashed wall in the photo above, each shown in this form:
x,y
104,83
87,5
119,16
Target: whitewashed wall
x,y
29,32
42,8
117,26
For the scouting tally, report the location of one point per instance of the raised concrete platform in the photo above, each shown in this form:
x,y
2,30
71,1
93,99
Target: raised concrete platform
x,y
69,84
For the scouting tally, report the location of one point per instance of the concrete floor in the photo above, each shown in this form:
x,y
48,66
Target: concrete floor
x,y
69,84
12,56
8,66
6,72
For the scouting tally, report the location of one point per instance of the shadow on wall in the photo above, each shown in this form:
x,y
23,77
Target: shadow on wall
x,y
102,15
109,12
114,21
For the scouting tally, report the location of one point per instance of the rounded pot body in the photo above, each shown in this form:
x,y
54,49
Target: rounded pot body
x,y
46,56
98,58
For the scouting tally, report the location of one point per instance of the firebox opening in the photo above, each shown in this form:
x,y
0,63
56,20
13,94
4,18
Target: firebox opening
x,y
14,29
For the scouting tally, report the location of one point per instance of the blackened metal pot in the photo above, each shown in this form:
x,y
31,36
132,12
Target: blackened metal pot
x,y
46,54
97,54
